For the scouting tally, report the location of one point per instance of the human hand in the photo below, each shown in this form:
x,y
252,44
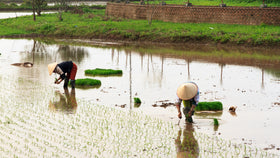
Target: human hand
x,y
189,113
180,115
57,82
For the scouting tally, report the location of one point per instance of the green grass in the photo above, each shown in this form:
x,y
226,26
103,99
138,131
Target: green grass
x,y
97,25
6,30
209,106
87,83
270,3
103,72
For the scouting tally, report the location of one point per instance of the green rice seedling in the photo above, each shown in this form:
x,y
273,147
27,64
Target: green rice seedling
x,y
216,122
103,72
87,83
137,102
209,106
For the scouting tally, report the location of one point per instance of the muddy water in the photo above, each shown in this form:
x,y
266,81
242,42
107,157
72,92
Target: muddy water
x,y
154,78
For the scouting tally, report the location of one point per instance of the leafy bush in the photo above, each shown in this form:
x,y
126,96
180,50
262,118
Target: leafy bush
x,y
86,9
3,5
14,5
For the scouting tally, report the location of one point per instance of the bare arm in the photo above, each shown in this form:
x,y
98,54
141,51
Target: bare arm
x,y
58,80
178,106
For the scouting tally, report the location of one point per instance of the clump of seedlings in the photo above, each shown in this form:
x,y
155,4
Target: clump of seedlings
x,y
103,72
94,131
137,102
28,129
209,106
216,122
213,146
87,83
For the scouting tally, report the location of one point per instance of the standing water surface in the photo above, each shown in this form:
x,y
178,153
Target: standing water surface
x,y
154,78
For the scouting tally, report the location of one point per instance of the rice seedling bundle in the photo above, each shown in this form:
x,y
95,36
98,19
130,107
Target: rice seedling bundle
x,y
137,100
87,82
216,122
103,72
209,106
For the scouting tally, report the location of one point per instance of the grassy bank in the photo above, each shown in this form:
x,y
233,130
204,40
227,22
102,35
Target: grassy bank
x,y
257,3
96,25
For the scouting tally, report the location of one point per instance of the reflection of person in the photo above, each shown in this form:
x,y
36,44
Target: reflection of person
x,y
188,93
68,68
188,147
66,103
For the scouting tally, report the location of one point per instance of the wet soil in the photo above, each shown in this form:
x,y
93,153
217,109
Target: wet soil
x,y
163,103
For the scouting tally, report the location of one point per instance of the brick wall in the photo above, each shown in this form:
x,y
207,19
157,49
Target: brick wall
x,y
196,14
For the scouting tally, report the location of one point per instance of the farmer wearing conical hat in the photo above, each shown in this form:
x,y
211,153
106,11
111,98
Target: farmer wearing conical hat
x,y
188,93
67,70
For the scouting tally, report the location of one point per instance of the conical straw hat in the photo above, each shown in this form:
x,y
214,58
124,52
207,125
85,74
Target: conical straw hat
x,y
187,91
51,67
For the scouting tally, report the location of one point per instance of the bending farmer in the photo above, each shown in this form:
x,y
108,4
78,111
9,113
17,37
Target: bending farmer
x,y
67,70
188,93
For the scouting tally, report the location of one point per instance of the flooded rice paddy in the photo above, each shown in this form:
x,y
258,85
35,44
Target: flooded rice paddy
x,y
41,119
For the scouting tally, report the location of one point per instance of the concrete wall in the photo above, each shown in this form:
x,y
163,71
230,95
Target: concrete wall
x,y
196,14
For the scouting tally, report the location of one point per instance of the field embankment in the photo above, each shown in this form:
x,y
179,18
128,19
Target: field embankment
x,y
94,24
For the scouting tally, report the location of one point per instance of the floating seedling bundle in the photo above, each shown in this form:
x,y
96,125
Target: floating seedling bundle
x,y
88,82
209,106
137,102
103,72
216,122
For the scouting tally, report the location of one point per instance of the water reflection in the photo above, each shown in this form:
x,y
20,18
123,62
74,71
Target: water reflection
x,y
208,114
37,52
65,102
72,52
40,51
188,146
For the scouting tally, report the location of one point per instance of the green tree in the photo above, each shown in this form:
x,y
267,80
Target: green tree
x,y
40,5
62,6
37,6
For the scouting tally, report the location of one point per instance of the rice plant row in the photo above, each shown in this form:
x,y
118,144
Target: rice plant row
x,y
29,129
